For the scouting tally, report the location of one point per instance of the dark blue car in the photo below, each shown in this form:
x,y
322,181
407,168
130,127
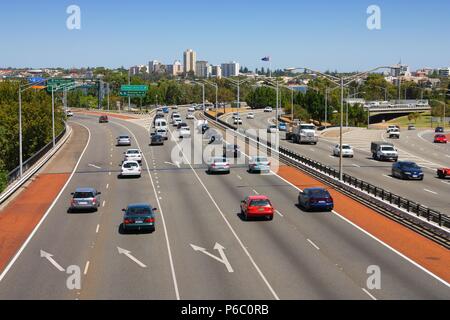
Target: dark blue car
x,y
407,170
315,199
165,109
139,216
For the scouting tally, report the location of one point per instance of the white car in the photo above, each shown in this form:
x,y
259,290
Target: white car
x,y
190,116
391,127
191,109
347,150
123,140
130,169
272,128
250,115
69,113
162,132
237,120
268,109
133,155
235,115
176,121
184,132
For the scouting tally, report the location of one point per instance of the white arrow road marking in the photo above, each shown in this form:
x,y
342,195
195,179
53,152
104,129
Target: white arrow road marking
x,y
128,254
223,258
177,164
49,256
93,165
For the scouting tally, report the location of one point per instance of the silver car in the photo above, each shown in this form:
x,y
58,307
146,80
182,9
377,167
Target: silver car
x,y
218,165
85,199
123,140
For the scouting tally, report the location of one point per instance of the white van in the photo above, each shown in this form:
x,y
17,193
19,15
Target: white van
x,y
161,123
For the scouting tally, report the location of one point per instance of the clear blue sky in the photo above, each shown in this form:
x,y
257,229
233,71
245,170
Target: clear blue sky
x,y
319,34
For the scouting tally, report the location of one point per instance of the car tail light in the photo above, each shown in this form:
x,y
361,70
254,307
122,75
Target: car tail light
x,y
213,165
149,220
268,164
128,221
72,202
94,200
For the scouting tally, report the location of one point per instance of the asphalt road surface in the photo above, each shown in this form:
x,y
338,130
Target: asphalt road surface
x,y
201,248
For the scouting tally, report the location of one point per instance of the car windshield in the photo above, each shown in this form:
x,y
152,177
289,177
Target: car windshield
x,y
318,193
139,211
260,203
80,195
308,127
387,148
130,165
346,147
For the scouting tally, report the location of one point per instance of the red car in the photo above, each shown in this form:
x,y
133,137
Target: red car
x,y
103,118
443,173
440,138
257,207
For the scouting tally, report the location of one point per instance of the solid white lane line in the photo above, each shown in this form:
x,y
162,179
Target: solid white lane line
x,y
368,293
86,268
430,191
244,248
24,245
98,228
279,213
172,267
313,244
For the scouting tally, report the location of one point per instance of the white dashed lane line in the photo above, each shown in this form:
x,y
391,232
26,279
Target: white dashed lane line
x,y
97,229
279,213
313,244
430,191
86,268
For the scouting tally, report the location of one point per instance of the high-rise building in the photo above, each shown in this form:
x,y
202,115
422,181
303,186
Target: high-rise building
x,y
134,70
155,66
400,70
202,69
174,69
230,69
189,60
216,71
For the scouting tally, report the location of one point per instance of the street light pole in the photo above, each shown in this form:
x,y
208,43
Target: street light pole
x,y
20,132
326,106
292,105
53,115
340,131
108,94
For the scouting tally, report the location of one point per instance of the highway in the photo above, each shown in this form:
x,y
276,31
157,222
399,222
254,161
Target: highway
x,y
201,248
432,192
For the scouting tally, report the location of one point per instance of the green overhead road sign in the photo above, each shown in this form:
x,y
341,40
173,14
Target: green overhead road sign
x,y
132,94
55,84
133,88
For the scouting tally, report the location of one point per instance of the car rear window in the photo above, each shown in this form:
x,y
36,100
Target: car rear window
x,y
318,193
260,203
261,159
130,165
123,137
218,160
139,211
81,195
133,152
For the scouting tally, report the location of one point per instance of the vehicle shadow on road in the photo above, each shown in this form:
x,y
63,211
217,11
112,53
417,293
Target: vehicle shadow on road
x,y
123,231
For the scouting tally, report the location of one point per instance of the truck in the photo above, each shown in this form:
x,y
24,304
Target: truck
x,y
443,173
394,134
382,150
303,133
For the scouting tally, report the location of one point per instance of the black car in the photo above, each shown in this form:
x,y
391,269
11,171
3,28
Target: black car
x,y
439,129
407,170
157,139
231,150
182,124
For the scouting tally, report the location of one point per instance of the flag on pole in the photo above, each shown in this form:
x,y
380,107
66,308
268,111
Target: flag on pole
x,y
266,58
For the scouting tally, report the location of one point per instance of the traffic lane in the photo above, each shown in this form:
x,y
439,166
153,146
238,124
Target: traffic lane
x,y
144,272
20,216
66,236
193,219
296,269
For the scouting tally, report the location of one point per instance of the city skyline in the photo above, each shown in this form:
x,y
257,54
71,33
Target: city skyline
x,y
322,35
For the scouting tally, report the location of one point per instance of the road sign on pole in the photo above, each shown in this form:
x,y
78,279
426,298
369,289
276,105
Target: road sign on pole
x,y
133,88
